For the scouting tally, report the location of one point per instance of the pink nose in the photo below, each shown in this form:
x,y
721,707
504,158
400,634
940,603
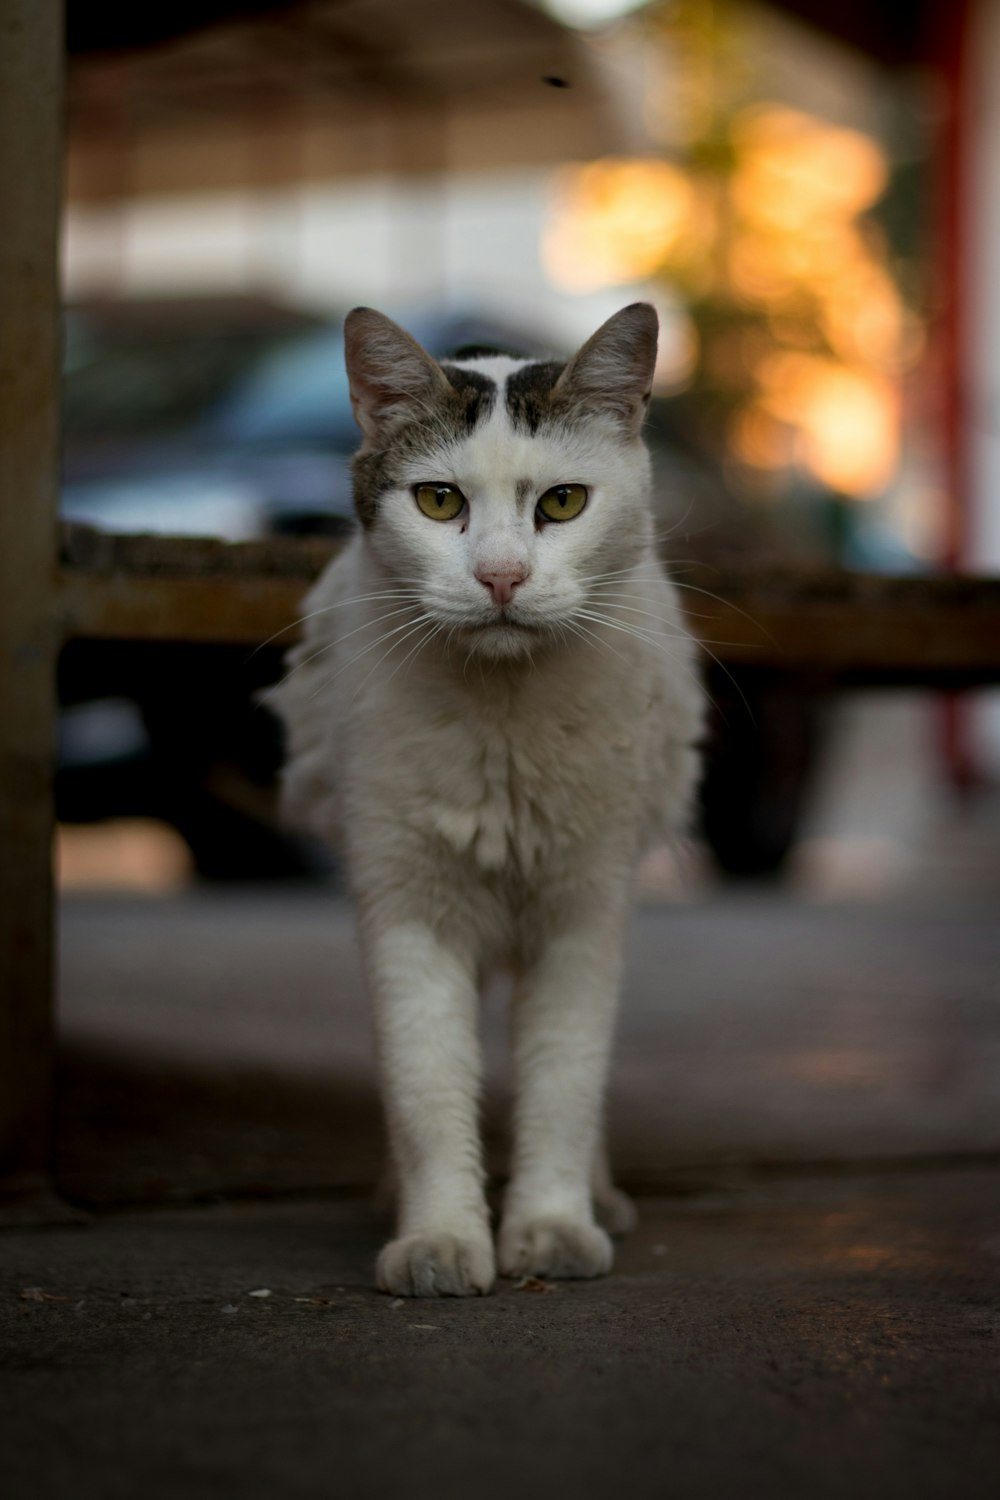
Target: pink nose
x,y
502,585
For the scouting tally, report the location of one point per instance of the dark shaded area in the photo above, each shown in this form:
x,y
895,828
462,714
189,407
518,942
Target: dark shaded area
x,y
104,25
890,32
210,759
141,1129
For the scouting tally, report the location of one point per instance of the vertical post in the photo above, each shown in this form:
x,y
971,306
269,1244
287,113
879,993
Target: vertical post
x,y
948,45
30,191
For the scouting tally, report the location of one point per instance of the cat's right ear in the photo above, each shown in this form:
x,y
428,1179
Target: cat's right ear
x,y
390,375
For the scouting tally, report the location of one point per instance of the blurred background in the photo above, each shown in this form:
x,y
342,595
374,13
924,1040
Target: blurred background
x,y
781,180
808,193
802,189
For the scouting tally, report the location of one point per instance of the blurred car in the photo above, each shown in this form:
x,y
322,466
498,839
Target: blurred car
x,y
224,417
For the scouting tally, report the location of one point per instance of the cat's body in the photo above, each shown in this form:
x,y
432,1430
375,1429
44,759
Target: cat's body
x,y
495,710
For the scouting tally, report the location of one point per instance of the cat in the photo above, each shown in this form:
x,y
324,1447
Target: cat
x,y
496,706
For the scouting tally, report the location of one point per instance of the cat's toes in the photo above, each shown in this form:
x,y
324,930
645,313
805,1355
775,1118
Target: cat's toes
x,y
615,1211
560,1248
436,1265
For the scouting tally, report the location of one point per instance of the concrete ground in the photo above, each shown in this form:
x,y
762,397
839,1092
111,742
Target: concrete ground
x,y
802,1337
805,1099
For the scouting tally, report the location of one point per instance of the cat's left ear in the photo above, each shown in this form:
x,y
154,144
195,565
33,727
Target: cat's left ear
x,y
613,372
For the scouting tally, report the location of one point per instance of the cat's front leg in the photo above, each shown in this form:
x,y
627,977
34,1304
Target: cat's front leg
x,y
425,1001
563,1022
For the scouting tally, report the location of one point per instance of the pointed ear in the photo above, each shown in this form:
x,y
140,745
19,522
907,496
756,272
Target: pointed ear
x,y
613,372
389,374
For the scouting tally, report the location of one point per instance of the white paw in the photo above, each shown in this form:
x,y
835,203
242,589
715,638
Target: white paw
x,y
436,1265
554,1247
615,1211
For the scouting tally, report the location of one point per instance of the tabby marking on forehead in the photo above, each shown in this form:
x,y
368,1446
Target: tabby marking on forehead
x,y
528,393
376,470
476,392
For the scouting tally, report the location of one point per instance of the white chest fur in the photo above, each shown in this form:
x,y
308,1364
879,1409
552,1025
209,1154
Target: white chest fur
x,y
508,771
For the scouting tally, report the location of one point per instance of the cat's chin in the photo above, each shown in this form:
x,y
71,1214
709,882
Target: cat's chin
x,y
503,641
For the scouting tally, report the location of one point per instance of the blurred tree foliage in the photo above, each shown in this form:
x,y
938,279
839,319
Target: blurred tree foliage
x,y
791,245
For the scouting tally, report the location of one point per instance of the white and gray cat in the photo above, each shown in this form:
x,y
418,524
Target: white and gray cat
x,y
495,707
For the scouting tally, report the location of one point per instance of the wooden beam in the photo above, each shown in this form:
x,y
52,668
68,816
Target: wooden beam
x,y
854,626
846,626
30,184
184,588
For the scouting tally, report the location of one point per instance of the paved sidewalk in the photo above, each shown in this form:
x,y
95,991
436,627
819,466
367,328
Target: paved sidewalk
x,y
809,1337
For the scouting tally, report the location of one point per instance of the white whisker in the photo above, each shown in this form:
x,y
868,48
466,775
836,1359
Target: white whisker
x,y
666,620
577,628
656,641
372,645
727,603
640,633
705,645
330,645
610,592
413,628
415,650
339,604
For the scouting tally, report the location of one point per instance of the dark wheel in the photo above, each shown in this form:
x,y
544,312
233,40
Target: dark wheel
x,y
764,739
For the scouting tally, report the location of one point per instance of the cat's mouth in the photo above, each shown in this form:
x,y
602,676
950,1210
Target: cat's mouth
x,y
506,630
504,621
502,635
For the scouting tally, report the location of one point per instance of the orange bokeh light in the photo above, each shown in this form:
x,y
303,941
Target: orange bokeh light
x,y
846,418
616,220
795,171
778,236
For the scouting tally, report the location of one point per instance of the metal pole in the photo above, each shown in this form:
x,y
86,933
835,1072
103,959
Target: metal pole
x,y
30,191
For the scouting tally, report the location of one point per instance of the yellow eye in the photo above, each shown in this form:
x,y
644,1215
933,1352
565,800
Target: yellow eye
x,y
562,502
442,502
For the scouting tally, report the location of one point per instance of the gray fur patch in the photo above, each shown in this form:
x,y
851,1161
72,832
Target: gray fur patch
x,y
528,393
476,393
375,471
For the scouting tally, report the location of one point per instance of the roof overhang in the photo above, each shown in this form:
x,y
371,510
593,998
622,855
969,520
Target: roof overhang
x,y
223,95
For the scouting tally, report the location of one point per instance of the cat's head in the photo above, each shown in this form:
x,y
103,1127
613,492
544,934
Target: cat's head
x,y
502,490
